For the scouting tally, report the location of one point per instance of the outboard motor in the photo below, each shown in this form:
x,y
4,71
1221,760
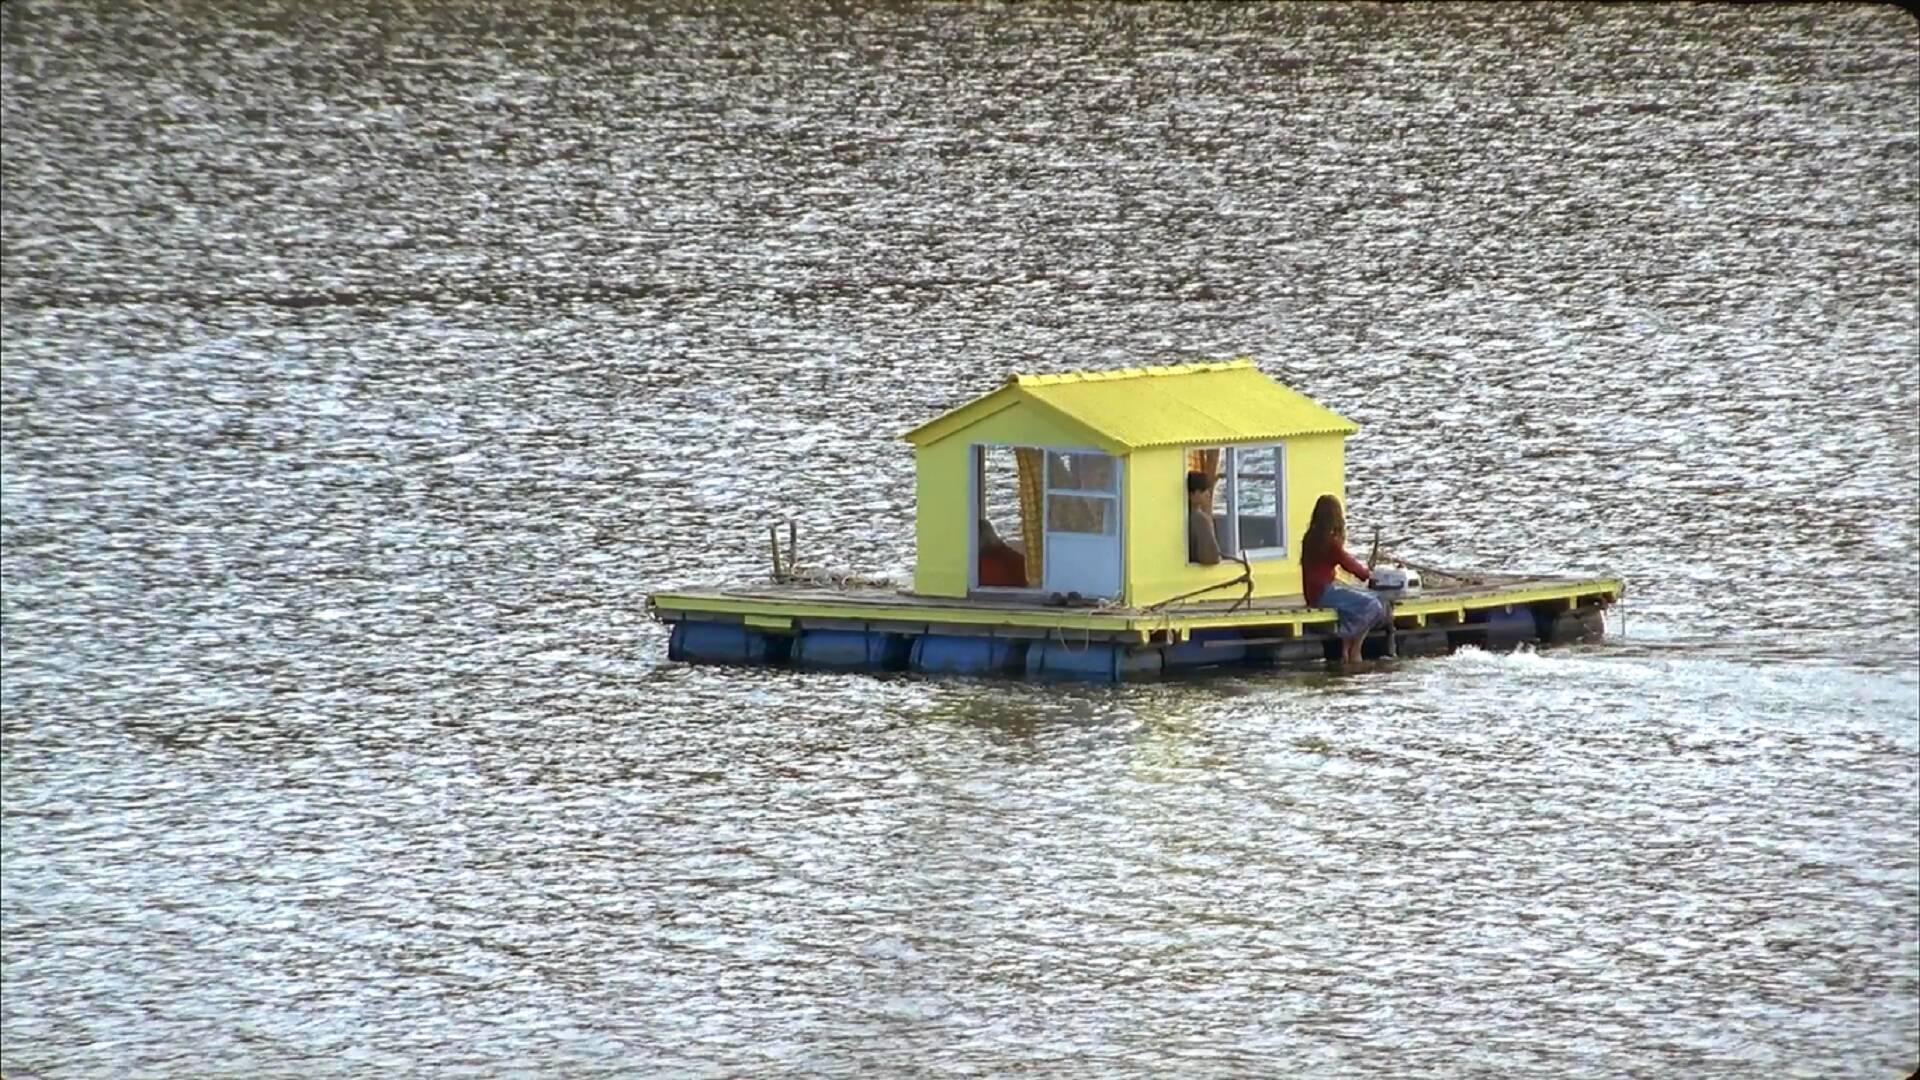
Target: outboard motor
x,y
1396,580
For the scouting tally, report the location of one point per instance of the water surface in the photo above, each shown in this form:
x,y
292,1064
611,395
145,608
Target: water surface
x,y
365,366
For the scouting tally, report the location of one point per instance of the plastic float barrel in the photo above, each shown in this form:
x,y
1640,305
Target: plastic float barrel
x,y
955,654
723,643
1300,652
851,650
1095,661
1422,641
1567,627
1503,627
1227,647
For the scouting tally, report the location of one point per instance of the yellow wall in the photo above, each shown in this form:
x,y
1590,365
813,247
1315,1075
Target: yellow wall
x,y
943,510
1154,515
1156,518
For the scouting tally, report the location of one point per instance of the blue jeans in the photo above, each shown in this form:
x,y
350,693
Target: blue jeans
x,y
1360,610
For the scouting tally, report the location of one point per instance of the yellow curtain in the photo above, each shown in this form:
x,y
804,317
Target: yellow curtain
x,y
1032,524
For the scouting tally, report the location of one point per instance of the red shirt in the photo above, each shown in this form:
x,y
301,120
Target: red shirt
x,y
1002,566
1316,572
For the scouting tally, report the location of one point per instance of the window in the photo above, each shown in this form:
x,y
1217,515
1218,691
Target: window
x,y
1082,494
1248,498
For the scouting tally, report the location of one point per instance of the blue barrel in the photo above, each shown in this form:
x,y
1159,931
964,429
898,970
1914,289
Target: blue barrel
x,y
851,650
1096,661
1228,648
955,654
722,643
1304,651
1506,627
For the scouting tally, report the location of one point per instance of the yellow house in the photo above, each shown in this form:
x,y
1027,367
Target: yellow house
x,y
1087,473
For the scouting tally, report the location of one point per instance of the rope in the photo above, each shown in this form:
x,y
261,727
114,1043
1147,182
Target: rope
x,y
836,579
1086,641
1244,578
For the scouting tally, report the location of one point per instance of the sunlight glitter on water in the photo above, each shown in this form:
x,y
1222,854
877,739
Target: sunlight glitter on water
x,y
364,372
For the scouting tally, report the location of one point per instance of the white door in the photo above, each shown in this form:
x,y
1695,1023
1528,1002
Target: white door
x,y
1081,549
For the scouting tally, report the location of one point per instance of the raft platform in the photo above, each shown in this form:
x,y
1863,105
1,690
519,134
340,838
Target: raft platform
x,y
879,629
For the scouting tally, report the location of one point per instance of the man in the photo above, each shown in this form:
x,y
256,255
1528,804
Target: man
x,y
1203,546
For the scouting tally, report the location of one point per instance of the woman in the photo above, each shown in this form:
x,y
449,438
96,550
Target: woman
x,y
1002,565
1323,549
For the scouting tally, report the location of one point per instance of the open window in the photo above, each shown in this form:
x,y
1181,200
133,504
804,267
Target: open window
x,y
1246,497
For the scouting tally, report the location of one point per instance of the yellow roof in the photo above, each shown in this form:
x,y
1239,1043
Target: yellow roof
x,y
1135,408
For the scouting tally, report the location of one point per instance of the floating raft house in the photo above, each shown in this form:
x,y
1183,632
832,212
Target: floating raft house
x,y
1051,539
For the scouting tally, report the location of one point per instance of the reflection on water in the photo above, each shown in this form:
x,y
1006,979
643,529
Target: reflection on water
x,y
366,365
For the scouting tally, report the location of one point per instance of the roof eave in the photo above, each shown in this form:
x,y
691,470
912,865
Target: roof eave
x,y
1005,397
987,404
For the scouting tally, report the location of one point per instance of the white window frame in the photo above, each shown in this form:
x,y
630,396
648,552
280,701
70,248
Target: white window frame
x,y
1111,495
1227,491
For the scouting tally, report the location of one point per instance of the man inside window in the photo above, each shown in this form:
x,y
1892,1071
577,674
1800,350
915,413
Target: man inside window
x,y
1203,546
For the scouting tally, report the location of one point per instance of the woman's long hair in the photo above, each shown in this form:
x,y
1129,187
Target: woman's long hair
x,y
1326,529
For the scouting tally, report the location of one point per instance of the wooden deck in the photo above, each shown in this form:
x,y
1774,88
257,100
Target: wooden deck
x,y
801,607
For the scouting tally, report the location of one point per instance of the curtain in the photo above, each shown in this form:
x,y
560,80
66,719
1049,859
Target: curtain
x,y
1032,523
1208,462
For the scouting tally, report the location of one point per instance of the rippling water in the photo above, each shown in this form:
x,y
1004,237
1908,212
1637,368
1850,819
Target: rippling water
x,y
365,366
